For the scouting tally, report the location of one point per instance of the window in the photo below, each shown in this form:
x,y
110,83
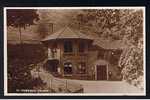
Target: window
x,y
82,68
68,68
81,47
68,47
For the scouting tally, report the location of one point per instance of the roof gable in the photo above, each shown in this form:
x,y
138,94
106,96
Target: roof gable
x,y
67,33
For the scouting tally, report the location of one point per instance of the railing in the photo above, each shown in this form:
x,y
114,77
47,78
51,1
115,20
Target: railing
x,y
64,86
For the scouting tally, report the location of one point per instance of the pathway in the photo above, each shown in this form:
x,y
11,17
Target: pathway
x,y
90,86
107,87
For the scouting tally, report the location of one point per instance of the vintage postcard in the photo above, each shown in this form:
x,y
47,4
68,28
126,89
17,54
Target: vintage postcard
x,y
71,51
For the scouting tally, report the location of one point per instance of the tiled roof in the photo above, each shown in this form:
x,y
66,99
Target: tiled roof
x,y
67,33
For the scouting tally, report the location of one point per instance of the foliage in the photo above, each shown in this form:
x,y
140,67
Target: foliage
x,y
44,28
19,76
110,23
101,22
21,17
36,52
131,63
131,60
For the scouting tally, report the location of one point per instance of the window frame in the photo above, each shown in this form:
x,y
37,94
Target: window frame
x,y
66,50
68,67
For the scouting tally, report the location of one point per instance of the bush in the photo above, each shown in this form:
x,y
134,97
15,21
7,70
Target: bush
x,y
131,63
19,76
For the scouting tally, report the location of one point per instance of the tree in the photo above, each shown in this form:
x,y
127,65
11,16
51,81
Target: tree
x,y
131,63
44,29
21,18
131,60
102,22
19,76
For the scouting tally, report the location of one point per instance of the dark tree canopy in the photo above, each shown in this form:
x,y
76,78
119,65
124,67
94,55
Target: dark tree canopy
x,y
21,17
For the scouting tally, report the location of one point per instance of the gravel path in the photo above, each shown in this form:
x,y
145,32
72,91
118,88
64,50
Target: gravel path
x,y
88,86
108,87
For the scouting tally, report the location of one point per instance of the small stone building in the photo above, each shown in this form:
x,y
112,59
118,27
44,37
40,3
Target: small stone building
x,y
76,55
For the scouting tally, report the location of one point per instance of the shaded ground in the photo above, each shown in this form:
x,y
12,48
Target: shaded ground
x,y
88,86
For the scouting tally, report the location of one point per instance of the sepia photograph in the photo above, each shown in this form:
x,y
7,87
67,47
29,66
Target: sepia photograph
x,y
52,51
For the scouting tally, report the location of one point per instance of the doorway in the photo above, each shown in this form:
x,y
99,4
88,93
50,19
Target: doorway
x,y
101,72
52,65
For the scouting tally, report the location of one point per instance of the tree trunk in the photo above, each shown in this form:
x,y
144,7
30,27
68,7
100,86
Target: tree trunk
x,y
20,39
20,35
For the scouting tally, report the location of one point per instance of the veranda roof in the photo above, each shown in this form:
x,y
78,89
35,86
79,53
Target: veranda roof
x,y
107,44
67,33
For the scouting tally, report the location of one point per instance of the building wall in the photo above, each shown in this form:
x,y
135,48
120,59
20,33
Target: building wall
x,y
114,70
92,57
75,57
53,54
89,58
112,56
